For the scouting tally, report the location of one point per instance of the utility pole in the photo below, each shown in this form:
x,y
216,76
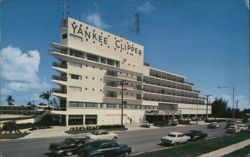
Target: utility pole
x,y
207,96
237,101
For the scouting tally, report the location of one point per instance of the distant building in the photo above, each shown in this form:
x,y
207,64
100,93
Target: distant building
x,y
92,64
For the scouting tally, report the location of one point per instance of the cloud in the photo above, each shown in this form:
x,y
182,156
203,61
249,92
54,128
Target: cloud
x,y
19,70
95,19
146,7
18,66
243,102
25,86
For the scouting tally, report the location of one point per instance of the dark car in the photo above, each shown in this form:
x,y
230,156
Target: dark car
x,y
230,123
196,135
105,148
69,146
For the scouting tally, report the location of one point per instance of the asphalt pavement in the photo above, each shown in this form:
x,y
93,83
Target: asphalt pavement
x,y
140,140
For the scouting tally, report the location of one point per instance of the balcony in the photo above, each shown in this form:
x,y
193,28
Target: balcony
x,y
63,51
112,73
111,84
61,91
60,65
62,78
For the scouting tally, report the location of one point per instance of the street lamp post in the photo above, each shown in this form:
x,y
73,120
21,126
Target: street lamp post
x,y
122,83
233,89
207,105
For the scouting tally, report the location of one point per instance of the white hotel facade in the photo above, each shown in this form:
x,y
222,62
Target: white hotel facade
x,y
92,64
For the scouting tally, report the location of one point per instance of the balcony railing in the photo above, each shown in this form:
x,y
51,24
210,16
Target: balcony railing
x,y
60,65
55,90
64,78
63,51
112,73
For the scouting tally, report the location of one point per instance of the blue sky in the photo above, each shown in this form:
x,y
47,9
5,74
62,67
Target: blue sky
x,y
206,41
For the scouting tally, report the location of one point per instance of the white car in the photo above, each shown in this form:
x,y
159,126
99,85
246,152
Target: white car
x,y
102,135
243,127
233,129
174,138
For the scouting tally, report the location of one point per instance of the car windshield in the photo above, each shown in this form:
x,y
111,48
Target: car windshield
x,y
172,135
69,140
96,144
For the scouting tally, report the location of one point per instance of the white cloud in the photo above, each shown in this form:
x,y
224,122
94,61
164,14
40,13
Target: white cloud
x,y
5,91
243,102
146,7
25,86
19,70
95,19
18,66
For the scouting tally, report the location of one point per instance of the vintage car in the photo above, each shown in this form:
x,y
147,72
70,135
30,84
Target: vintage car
x,y
230,123
145,124
213,125
174,138
233,129
102,135
105,148
69,146
196,135
243,127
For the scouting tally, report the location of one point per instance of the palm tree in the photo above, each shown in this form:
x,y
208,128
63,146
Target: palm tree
x,y
46,96
10,100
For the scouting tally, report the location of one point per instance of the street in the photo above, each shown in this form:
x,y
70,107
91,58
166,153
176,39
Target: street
x,y
140,140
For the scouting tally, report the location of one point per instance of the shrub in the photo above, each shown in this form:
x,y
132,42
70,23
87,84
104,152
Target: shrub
x,y
111,127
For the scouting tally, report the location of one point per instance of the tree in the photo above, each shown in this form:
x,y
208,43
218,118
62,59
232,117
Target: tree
x,y
219,107
10,100
29,103
46,96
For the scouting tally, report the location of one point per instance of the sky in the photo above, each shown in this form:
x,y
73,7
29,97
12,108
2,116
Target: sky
x,y
206,41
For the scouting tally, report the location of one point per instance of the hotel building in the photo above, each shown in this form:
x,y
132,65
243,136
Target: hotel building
x,y
98,73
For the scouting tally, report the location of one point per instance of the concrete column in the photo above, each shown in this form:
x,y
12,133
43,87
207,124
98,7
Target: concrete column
x,y
83,120
67,120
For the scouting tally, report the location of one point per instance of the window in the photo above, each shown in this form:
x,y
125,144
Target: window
x,y
91,119
76,77
93,78
75,89
64,36
73,64
86,77
93,105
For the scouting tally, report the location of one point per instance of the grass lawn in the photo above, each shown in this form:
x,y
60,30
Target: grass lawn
x,y
81,132
244,152
12,136
198,148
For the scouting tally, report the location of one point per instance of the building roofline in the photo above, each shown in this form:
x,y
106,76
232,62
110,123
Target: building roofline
x,y
168,72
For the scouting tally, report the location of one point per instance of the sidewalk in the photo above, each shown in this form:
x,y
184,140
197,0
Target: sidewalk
x,y
52,132
227,150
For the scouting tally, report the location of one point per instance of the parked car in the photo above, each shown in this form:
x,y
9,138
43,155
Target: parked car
x,y
174,138
106,148
184,121
245,120
172,122
230,123
69,146
243,127
233,129
213,125
145,124
196,135
102,135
